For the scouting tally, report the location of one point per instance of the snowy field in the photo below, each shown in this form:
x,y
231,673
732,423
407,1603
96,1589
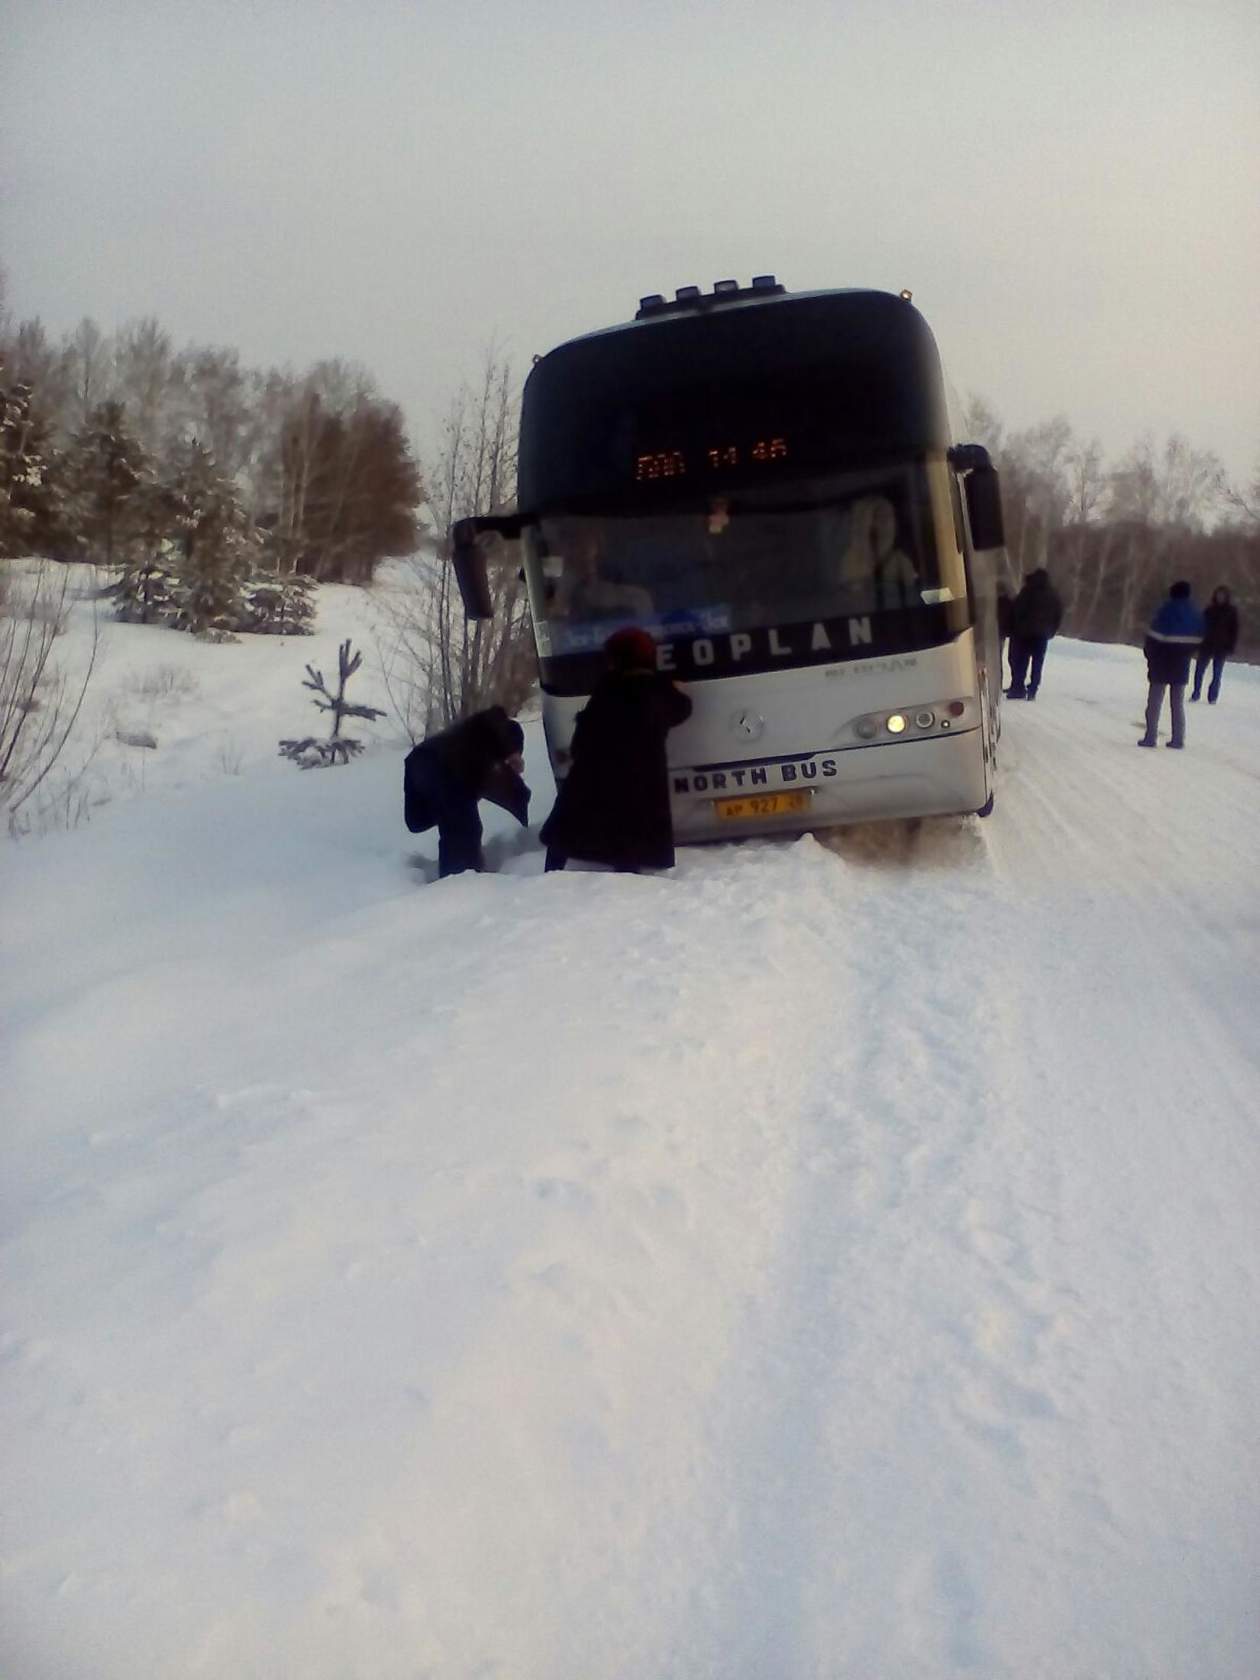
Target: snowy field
x,y
828,1260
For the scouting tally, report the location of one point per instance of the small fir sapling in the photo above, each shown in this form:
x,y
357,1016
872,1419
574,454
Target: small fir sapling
x,y
280,606
310,753
146,590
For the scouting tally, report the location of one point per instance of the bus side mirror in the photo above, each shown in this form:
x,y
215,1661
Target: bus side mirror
x,y
984,507
470,570
470,562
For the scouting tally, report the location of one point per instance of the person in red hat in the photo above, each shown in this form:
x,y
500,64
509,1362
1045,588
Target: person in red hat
x,y
613,806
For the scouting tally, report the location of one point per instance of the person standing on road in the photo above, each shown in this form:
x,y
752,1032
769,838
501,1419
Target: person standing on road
x,y
1036,614
1175,631
613,806
1220,638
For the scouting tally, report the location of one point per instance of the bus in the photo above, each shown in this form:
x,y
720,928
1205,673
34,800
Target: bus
x,y
766,482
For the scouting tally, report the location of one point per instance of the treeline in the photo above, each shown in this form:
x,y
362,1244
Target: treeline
x,y
201,478
1115,535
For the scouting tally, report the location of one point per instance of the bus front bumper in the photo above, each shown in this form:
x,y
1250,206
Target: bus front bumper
x,y
936,777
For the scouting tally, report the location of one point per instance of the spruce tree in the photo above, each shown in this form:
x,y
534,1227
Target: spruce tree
x,y
310,753
216,544
32,512
106,474
280,606
146,591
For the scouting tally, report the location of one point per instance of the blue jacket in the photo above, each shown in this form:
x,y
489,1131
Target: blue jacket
x,y
1174,636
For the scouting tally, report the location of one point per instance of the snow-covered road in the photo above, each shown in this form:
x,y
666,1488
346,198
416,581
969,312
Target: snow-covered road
x,y
832,1259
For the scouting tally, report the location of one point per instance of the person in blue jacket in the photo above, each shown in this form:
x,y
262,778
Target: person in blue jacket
x,y
1171,642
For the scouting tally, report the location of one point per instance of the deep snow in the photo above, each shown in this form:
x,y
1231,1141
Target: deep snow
x,y
829,1259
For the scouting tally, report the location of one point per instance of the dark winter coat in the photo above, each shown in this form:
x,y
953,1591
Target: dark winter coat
x,y
1220,625
470,759
613,806
1004,605
1176,631
1037,611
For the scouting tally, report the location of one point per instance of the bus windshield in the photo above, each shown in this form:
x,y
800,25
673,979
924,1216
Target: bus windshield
x,y
865,543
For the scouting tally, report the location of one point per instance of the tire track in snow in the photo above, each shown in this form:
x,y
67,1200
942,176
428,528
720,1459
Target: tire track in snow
x,y
1119,1073
817,1418
687,1159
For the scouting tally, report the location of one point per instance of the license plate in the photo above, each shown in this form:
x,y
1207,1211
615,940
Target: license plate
x,y
753,805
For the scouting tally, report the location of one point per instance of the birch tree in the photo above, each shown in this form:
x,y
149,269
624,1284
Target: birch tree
x,y
438,666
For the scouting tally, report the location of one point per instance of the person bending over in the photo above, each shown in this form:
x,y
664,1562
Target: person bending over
x,y
443,778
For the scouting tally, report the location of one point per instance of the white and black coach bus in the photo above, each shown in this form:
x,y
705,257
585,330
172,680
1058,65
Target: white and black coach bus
x,y
765,481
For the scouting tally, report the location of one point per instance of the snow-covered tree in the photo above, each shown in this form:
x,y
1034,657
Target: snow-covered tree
x,y
148,588
105,469
217,548
280,606
34,360
31,509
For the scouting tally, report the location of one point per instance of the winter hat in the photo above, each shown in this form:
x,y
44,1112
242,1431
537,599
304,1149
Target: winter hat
x,y
1180,591
631,649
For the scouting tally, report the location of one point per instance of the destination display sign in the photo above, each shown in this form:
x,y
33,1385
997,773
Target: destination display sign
x,y
706,460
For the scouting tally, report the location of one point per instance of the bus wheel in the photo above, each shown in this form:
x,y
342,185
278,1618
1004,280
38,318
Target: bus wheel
x,y
986,810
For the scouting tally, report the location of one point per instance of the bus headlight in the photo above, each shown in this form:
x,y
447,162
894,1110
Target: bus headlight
x,y
916,723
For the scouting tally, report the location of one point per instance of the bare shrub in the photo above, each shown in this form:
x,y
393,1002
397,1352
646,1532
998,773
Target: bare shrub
x,y
39,701
436,665
161,682
64,802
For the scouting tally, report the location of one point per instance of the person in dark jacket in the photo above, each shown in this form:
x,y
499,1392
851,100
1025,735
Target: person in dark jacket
x,y
1175,631
613,806
445,776
1220,638
1036,614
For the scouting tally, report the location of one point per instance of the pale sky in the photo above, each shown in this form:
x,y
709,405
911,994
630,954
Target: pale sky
x,y
1071,190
